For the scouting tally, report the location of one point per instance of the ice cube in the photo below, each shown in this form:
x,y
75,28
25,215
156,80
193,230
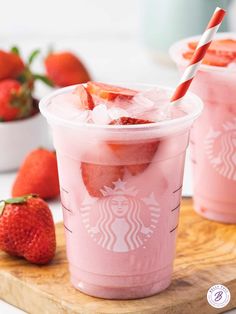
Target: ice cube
x,y
64,99
143,101
116,113
100,115
66,106
150,105
83,116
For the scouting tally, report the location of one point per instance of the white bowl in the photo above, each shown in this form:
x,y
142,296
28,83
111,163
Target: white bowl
x,y
18,138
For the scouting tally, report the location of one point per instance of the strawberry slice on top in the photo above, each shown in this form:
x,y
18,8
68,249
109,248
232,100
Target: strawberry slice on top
x,y
138,155
211,58
109,92
86,100
193,45
225,47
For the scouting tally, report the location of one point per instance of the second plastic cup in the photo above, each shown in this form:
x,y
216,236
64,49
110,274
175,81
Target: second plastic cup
x,y
121,237
213,138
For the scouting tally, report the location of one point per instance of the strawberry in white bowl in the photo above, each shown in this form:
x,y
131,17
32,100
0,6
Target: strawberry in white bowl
x,y
22,127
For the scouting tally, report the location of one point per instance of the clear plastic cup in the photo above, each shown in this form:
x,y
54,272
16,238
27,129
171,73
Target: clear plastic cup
x,y
121,241
213,138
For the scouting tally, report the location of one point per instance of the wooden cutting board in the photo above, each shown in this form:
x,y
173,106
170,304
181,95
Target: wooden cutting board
x,y
206,255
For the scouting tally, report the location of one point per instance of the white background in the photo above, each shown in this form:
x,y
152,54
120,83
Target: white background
x,y
106,34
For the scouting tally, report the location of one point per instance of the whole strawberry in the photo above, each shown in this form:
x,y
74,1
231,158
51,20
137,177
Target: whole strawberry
x,y
15,100
38,174
11,65
27,229
65,69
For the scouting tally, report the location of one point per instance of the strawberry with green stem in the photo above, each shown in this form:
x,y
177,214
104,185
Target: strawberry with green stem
x,y
27,229
15,100
16,86
11,65
27,76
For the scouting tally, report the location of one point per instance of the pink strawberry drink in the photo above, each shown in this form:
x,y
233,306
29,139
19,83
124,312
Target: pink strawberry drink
x,y
213,139
121,168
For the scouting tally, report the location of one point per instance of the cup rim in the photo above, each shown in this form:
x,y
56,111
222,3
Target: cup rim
x,y
177,57
189,117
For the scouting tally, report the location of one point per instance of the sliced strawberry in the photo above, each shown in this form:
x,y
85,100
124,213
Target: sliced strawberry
x,y
193,45
226,47
109,92
129,121
96,177
211,59
86,100
136,169
142,153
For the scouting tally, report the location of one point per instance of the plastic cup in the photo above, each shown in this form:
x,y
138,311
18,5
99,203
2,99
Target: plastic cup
x,y
213,138
121,244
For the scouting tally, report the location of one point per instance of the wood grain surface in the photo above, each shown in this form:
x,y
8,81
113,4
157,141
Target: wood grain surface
x,y
206,255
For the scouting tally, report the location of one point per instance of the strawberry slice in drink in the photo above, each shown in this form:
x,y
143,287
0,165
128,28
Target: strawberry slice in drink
x,y
225,47
86,100
142,153
96,177
211,59
129,121
109,92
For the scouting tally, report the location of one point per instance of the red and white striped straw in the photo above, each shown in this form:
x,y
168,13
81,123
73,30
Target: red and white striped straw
x,y
198,55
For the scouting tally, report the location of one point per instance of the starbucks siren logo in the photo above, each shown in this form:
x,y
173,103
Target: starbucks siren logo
x,y
120,221
221,149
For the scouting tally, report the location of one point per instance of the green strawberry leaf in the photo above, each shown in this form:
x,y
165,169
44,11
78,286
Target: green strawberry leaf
x,y
32,56
20,199
44,79
16,200
2,206
15,50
